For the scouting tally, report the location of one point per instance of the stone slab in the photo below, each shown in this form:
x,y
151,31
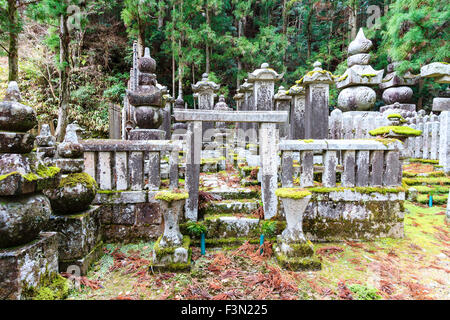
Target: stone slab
x,y
233,116
23,266
110,145
441,104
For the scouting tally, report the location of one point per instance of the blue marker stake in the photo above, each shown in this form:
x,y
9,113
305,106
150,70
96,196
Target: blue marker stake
x,y
430,200
261,242
202,244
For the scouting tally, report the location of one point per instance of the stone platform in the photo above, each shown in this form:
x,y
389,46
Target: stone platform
x,y
25,267
351,215
79,237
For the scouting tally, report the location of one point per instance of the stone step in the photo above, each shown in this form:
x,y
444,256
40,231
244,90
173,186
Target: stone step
x,y
220,227
233,206
235,194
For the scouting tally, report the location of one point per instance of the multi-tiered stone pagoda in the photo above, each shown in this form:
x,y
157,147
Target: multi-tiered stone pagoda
x,y
359,77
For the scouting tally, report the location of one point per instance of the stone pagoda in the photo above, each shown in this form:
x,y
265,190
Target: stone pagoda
x,y
440,71
397,92
27,256
147,101
356,82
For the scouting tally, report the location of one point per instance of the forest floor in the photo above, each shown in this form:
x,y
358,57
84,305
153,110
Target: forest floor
x,y
415,267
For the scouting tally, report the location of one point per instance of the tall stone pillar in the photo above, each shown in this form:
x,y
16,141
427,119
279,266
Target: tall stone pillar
x,y
283,103
297,115
167,114
205,92
317,84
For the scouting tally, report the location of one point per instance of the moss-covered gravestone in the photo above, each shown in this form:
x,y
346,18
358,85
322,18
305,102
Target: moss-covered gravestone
x,y
171,251
76,221
27,255
293,250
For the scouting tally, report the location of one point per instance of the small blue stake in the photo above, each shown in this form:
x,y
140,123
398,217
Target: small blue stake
x,y
202,244
261,242
430,200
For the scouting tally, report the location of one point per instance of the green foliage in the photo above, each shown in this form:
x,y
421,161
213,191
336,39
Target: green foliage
x,y
269,228
196,228
364,293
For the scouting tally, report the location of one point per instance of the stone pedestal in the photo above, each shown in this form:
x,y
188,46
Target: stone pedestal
x,y
147,134
28,267
293,251
79,238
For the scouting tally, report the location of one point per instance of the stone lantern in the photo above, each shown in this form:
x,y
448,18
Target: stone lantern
x,y
359,77
263,80
205,92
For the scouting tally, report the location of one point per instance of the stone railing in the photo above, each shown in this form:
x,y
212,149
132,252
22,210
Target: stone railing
x,y
364,162
425,146
130,165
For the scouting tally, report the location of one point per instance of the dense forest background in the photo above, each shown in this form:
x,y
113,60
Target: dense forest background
x,y
72,58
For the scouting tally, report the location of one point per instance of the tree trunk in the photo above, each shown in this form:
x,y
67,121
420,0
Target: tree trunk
x,y
208,22
352,20
13,52
239,63
64,78
180,72
141,41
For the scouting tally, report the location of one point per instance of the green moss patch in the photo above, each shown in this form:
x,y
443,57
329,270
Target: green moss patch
x,y
170,196
51,287
424,160
400,130
427,181
292,193
364,190
74,179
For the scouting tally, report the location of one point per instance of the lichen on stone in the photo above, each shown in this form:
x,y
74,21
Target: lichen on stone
x,y
74,179
292,193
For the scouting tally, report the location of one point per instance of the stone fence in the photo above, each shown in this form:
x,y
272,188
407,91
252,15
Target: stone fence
x,y
357,124
364,162
130,165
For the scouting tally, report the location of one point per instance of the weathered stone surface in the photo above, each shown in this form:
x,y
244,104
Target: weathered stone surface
x,y
356,98
77,234
149,117
24,267
146,134
74,194
45,139
171,212
360,45
70,165
16,142
232,227
397,94
232,116
13,92
441,104
361,58
16,117
293,210
444,141
435,69
22,218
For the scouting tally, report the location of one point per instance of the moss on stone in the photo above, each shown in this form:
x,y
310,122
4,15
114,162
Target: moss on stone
x,y
424,161
292,193
364,190
427,181
73,179
307,140
51,287
299,264
161,252
170,196
400,130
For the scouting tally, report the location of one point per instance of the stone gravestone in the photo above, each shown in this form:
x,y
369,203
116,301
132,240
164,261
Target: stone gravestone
x,y
250,130
263,80
205,92
317,83
297,115
283,103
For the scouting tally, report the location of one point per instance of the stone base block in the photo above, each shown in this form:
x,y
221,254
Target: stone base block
x,y
399,107
78,234
24,268
299,264
147,134
231,227
351,215
83,263
441,104
172,259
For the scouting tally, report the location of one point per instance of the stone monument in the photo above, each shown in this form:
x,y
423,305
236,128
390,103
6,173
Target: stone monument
x,y
205,92
147,101
283,103
359,77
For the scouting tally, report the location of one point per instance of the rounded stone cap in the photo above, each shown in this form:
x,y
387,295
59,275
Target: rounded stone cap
x,y
13,92
265,65
205,76
179,103
360,45
147,63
